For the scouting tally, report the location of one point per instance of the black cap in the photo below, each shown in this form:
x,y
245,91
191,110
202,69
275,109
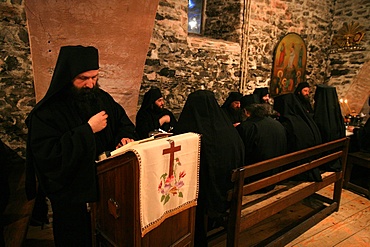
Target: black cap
x,y
248,100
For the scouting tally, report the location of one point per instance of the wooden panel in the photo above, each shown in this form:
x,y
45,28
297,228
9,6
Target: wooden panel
x,y
117,213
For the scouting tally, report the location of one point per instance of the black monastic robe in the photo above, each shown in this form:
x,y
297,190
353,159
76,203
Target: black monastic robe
x,y
222,151
64,148
263,138
147,118
328,118
302,131
61,147
235,116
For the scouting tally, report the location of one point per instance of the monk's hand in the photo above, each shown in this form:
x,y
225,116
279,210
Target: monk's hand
x,y
164,119
123,142
98,121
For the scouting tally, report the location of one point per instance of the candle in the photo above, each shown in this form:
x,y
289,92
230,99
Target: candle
x,y
346,102
342,107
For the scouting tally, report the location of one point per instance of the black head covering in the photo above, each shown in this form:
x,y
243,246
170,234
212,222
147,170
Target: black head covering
x,y
221,147
150,97
248,100
300,86
302,131
72,61
260,92
305,130
233,96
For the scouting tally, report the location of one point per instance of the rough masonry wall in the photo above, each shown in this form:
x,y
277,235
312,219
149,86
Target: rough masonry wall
x,y
16,89
270,21
173,63
180,64
224,19
349,71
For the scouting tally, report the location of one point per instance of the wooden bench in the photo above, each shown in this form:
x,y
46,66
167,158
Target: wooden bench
x,y
247,210
360,159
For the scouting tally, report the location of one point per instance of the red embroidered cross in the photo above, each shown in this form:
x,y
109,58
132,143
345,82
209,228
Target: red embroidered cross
x,y
171,151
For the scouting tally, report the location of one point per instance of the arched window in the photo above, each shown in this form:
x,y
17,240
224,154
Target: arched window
x,y
195,16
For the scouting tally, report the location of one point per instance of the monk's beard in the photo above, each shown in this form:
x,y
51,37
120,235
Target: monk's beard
x,y
157,109
87,101
304,98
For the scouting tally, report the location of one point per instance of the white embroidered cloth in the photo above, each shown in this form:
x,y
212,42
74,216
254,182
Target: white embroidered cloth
x,y
169,172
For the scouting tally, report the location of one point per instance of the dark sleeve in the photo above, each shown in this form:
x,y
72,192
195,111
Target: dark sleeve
x,y
144,124
291,139
247,133
363,136
173,120
120,125
172,123
62,157
126,129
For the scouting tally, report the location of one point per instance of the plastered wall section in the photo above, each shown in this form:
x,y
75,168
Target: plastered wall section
x,y
121,30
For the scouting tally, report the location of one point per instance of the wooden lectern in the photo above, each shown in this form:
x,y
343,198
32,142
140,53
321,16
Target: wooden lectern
x,y
116,215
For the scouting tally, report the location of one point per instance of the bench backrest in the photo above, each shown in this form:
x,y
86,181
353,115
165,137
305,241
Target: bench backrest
x,y
313,157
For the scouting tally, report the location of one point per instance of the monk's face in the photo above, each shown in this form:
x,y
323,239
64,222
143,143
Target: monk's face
x,y
160,103
266,98
235,105
305,92
86,79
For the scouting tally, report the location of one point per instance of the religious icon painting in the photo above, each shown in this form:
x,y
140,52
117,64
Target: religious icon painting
x,y
289,64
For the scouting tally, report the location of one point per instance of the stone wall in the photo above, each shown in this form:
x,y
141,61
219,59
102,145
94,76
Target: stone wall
x,y
264,25
180,64
224,19
349,71
16,94
271,21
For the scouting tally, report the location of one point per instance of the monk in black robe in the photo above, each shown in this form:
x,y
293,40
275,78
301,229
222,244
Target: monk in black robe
x,y
231,107
152,115
302,131
263,137
302,92
262,94
222,151
74,123
327,113
363,137
263,97
328,118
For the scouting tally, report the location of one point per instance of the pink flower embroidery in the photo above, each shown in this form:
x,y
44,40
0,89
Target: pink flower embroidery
x,y
171,185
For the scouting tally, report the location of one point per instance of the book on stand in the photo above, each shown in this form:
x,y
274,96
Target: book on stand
x,y
124,148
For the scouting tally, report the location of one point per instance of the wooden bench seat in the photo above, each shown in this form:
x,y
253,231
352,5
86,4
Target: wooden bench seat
x,y
248,207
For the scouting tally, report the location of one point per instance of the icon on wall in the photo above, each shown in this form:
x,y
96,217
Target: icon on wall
x,y
289,64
